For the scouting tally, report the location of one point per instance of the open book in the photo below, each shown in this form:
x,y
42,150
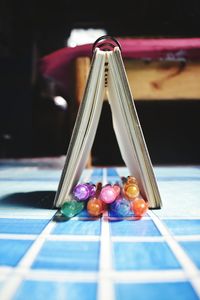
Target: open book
x,y
107,77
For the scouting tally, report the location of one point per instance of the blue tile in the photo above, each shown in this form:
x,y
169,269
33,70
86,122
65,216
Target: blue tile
x,y
192,248
112,176
156,291
144,256
78,227
97,172
56,291
82,256
11,251
183,227
111,172
134,228
22,226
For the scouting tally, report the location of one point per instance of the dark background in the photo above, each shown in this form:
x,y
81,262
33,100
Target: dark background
x,y
32,125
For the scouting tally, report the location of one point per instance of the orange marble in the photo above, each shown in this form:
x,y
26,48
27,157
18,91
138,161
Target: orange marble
x,y
139,206
95,207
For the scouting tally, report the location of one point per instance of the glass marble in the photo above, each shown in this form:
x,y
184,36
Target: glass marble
x,y
109,193
95,207
132,179
139,207
117,189
131,190
71,208
83,191
121,207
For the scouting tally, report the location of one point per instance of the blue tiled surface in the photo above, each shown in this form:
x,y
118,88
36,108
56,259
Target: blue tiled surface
x,y
41,290
111,172
180,191
134,228
97,172
71,246
22,226
11,251
152,291
183,227
74,227
144,256
58,255
192,249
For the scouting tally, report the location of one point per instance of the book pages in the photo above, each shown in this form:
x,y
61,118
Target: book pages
x,y
128,130
84,129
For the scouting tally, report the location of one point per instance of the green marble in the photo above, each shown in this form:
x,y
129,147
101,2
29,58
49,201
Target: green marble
x,y
71,208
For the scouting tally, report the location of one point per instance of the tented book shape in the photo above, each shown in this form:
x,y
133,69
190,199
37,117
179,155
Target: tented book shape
x,y
107,77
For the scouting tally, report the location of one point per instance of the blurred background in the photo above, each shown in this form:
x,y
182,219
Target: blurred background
x,y
37,115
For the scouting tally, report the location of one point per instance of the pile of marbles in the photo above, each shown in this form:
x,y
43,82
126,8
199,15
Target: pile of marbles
x,y
120,200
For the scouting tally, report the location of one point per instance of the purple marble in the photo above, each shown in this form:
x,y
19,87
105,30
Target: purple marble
x,y
83,191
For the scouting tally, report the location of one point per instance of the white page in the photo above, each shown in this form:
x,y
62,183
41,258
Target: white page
x,y
84,129
128,130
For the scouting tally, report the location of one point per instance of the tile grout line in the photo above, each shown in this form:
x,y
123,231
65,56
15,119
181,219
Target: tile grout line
x,y
122,276
16,236
183,217
187,264
194,237
135,239
96,238
8,290
105,288
82,276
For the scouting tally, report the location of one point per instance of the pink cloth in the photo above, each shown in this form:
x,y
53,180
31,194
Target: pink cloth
x,y
57,65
